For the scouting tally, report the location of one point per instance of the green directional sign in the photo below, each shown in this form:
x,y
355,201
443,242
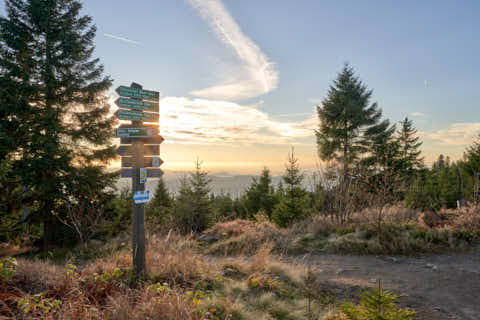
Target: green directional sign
x,y
138,93
150,150
137,116
151,173
136,132
127,103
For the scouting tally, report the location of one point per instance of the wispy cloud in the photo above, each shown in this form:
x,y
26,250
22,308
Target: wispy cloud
x,y
300,114
213,122
416,114
459,134
121,38
254,75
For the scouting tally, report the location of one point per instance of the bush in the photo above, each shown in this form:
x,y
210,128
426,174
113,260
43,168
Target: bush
x,y
376,305
7,268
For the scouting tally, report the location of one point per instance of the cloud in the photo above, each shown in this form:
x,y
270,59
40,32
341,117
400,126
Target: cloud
x,y
121,38
459,134
254,75
300,114
416,114
201,121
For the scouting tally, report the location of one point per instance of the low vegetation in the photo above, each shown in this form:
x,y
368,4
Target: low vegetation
x,y
180,284
403,231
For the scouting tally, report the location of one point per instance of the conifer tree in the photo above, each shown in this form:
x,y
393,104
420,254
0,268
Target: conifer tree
x,y
294,205
54,113
193,206
409,144
349,125
201,204
345,115
159,209
260,195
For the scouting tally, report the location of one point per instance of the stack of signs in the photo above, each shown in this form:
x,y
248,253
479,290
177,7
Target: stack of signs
x,y
139,105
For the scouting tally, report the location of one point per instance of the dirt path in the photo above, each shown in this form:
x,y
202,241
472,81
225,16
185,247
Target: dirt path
x,y
439,287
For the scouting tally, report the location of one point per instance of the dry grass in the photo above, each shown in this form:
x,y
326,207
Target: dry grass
x,y
403,231
181,284
242,237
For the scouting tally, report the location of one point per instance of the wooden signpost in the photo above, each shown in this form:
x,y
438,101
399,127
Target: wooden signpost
x,y
137,141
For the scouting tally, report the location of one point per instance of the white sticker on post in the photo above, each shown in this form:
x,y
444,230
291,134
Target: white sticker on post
x,y
141,196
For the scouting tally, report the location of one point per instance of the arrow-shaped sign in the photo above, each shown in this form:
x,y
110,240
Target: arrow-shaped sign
x,y
151,173
149,140
142,132
137,116
127,103
150,150
138,93
155,162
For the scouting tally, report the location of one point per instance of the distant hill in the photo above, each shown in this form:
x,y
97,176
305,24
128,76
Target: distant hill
x,y
234,185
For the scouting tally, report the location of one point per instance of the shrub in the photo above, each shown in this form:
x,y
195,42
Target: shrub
x,y
376,305
7,268
38,305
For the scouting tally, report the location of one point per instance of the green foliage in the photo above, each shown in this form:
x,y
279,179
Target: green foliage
x,y
409,144
295,203
224,207
8,267
437,188
39,305
159,210
55,115
260,196
376,305
343,116
192,211
118,214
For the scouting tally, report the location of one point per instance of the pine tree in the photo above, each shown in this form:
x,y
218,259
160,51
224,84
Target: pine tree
x,y
294,205
158,210
201,204
54,114
349,124
193,208
471,166
260,194
409,144
344,116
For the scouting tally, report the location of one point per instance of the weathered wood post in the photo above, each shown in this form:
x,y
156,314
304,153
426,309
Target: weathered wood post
x,y
134,139
138,210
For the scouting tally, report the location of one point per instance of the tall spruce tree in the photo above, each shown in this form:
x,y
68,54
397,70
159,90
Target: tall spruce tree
x,y
54,115
349,125
346,117
409,144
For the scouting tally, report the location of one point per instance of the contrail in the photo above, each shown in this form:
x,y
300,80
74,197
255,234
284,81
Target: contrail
x,y
121,38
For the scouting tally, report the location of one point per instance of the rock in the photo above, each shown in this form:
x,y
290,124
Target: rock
x,y
431,266
394,259
340,271
373,280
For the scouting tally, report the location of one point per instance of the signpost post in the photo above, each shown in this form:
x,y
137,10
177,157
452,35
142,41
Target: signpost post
x,y
134,164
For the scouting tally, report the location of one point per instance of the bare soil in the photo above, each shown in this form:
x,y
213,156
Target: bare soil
x,y
438,287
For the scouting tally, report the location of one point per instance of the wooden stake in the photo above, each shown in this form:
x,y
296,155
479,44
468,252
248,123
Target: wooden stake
x,y
138,211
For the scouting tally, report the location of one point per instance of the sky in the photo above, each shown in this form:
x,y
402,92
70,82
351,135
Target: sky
x,y
239,80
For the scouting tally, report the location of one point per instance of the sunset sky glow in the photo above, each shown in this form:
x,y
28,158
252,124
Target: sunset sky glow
x,y
239,80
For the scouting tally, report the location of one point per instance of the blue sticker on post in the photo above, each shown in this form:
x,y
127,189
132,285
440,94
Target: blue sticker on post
x,y
141,196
